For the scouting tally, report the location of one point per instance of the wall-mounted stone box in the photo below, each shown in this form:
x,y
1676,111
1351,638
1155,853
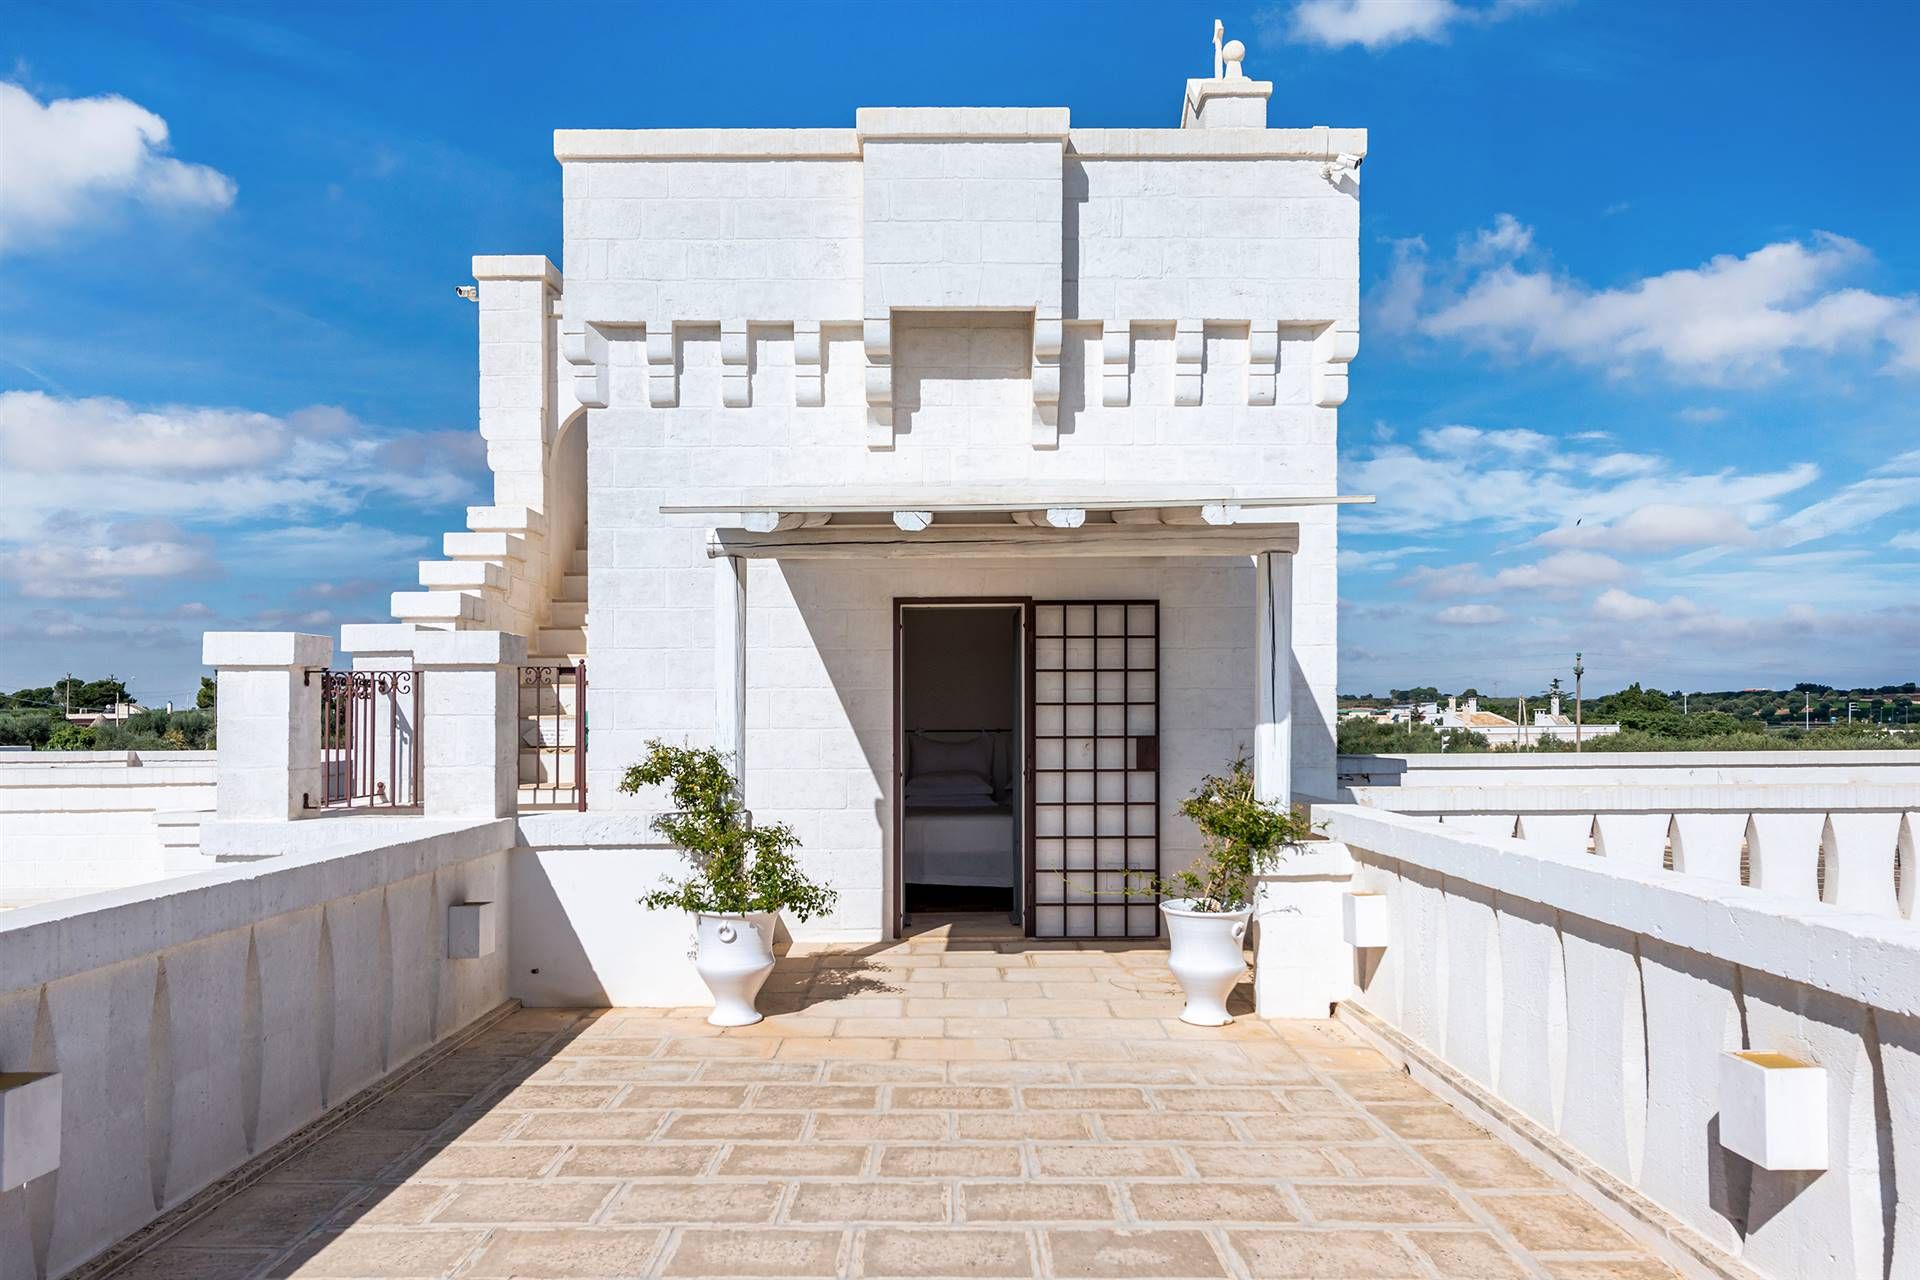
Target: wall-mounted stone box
x,y
1364,919
471,930
1773,1110
29,1126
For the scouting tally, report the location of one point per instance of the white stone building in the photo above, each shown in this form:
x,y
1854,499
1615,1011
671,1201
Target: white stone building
x,y
795,384
792,384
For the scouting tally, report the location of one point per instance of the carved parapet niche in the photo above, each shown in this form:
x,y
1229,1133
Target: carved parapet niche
x,y
809,365
1189,361
1116,359
584,347
1263,362
663,368
736,382
1334,347
1047,338
877,335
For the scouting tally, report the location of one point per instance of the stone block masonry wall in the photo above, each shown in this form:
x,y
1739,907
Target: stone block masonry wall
x,y
1586,1003
819,639
196,1023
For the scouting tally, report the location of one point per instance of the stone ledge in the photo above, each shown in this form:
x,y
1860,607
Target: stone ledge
x,y
516,267
231,649
1011,123
1318,143
570,145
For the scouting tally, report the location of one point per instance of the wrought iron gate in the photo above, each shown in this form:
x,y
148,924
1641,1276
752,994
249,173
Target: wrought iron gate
x,y
369,740
1094,717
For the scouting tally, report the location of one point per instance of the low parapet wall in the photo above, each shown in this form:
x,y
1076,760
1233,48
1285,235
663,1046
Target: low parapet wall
x,y
77,822
1584,1005
1388,775
197,1022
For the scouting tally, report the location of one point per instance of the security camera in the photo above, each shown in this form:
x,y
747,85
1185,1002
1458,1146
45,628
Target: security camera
x,y
471,292
1344,165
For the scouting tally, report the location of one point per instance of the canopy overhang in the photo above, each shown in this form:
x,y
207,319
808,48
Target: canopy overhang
x,y
826,525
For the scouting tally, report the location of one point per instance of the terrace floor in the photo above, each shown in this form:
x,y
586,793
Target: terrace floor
x,y
954,1105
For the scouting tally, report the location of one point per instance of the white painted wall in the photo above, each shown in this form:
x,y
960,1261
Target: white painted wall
x,y
197,1022
1591,999
77,822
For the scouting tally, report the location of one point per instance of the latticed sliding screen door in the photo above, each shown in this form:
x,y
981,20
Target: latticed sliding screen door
x,y
1096,768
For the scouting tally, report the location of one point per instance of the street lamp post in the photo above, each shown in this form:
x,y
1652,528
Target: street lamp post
x,y
1579,669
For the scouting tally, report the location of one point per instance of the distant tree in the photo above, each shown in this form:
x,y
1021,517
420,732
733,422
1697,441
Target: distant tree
x,y
209,694
68,736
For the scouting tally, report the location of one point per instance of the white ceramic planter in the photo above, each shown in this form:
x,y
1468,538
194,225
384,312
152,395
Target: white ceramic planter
x,y
1205,955
734,955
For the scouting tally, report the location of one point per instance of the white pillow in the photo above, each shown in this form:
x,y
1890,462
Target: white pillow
x,y
971,754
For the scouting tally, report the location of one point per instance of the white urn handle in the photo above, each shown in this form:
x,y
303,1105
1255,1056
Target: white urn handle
x,y
1239,930
726,933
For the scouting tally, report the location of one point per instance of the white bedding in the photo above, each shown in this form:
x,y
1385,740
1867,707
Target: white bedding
x,y
959,845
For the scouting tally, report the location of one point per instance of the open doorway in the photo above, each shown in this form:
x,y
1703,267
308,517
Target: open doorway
x,y
960,761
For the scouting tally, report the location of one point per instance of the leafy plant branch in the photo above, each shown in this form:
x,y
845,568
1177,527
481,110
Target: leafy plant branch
x,y
736,866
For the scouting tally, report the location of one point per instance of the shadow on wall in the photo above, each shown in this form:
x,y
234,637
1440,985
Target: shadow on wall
x,y
578,936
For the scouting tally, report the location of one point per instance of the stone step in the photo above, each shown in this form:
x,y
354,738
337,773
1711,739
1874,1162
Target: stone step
x,y
483,575
578,562
567,613
484,546
573,586
506,520
571,641
435,606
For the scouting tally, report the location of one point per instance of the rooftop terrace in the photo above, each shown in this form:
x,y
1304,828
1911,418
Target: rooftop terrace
x,y
956,1104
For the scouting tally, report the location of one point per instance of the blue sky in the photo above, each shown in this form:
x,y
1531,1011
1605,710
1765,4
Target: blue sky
x,y
1640,342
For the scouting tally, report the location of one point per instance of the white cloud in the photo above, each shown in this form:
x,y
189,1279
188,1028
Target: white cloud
x,y
101,562
1621,606
1853,507
1467,441
1908,541
1561,573
1614,465
69,161
1379,560
198,489
1518,480
1380,24
1700,415
1658,526
212,465
1508,238
1470,615
1564,573
1733,317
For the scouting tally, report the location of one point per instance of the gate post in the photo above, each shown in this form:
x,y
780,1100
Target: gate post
x,y
470,709
268,722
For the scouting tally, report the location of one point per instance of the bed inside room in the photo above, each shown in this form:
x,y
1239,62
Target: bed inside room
x,y
961,670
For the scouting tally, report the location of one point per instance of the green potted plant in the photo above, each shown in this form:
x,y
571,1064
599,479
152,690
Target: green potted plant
x,y
1207,906
741,876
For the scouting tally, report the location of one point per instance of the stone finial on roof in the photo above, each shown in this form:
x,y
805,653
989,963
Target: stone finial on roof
x,y
1227,57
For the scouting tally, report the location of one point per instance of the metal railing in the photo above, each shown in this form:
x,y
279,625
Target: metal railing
x,y
550,732
369,740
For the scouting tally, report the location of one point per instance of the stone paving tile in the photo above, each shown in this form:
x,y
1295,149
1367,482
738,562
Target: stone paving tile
x,y
573,1253
1167,1255
956,1104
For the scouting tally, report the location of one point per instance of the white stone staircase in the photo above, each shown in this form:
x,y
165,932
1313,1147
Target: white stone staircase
x,y
486,580
548,711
